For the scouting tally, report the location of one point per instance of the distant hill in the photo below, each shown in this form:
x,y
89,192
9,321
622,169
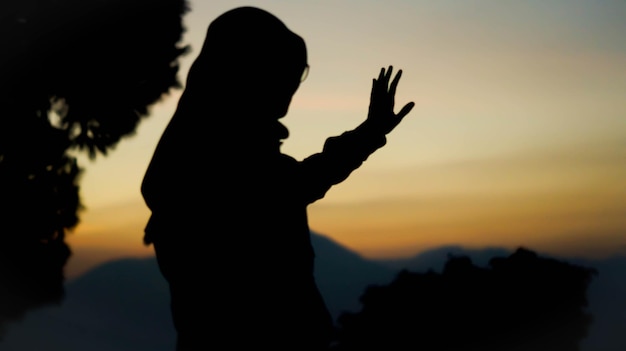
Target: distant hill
x,y
121,305
436,258
124,305
343,275
607,302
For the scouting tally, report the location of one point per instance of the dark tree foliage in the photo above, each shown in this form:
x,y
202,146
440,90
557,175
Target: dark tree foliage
x,y
74,75
520,302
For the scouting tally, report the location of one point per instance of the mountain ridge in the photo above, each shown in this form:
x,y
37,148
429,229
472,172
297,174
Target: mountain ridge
x,y
123,305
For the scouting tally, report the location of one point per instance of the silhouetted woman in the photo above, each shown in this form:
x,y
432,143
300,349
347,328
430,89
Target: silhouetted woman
x,y
229,222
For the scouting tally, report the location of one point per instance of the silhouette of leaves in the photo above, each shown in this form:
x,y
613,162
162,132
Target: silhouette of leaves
x,y
73,75
520,302
101,63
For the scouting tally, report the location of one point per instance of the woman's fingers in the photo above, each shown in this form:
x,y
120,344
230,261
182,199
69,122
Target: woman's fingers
x,y
394,83
405,110
381,75
382,100
388,75
373,93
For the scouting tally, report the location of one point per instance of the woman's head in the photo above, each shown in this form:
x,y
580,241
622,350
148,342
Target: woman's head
x,y
250,57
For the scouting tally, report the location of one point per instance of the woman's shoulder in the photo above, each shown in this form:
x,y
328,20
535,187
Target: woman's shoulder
x,y
287,158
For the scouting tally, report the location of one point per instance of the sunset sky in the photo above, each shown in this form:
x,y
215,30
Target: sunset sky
x,y
518,136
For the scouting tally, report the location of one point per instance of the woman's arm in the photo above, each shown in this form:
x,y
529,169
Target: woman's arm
x,y
345,153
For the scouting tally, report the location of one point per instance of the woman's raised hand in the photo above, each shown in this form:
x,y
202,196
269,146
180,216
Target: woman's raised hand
x,y
382,100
